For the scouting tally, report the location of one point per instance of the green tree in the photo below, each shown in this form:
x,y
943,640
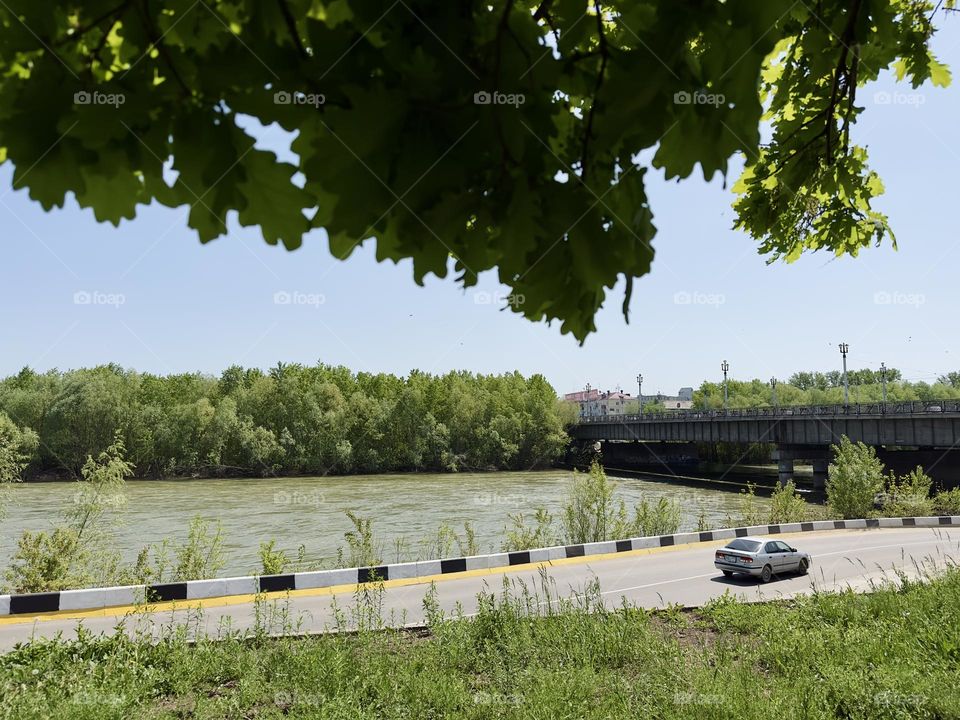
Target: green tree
x,y
292,419
854,479
478,135
17,447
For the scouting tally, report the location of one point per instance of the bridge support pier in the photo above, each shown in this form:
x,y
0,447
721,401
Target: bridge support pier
x,y
784,470
820,467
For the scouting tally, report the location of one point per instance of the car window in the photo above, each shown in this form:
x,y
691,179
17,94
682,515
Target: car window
x,y
771,547
783,546
746,545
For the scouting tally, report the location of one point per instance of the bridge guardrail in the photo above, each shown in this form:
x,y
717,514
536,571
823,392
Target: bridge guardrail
x,y
907,408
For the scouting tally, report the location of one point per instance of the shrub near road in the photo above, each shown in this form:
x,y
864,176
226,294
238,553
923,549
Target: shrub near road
x,y
892,654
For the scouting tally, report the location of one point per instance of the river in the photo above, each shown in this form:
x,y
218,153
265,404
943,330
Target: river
x,y
311,511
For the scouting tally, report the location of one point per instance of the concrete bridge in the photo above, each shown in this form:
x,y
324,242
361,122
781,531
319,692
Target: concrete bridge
x,y
799,433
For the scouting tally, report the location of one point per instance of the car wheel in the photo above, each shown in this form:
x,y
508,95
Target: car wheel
x,y
766,574
728,573
803,566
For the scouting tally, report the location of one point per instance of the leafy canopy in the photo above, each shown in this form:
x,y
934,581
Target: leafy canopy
x,y
536,176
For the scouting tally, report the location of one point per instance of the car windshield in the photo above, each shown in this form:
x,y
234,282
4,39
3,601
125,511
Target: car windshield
x,y
741,544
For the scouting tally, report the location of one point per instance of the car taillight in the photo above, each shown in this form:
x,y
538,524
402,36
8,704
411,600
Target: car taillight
x,y
748,560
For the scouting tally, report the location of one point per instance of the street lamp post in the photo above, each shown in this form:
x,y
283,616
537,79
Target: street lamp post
x,y
725,366
844,348
640,393
773,386
883,380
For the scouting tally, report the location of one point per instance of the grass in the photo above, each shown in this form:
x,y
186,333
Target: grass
x,y
894,653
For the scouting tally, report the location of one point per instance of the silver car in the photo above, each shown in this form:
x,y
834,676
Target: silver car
x,y
761,557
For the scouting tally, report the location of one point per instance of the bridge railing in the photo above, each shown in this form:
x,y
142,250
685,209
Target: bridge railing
x,y
907,408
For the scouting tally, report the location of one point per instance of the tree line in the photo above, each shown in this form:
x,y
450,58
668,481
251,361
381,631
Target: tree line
x,y
819,388
291,419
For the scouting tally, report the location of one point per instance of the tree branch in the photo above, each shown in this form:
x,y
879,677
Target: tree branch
x,y
604,57
84,29
292,27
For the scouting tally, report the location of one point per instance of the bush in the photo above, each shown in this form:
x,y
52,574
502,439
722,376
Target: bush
x,y
910,496
591,514
524,536
273,562
45,562
662,518
947,503
786,505
362,549
750,511
200,557
854,479
76,553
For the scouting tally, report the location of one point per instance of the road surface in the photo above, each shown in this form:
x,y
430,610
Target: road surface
x,y
682,574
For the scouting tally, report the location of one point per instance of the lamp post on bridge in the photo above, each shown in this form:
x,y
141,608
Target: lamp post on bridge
x,y
640,393
883,380
773,386
844,348
725,366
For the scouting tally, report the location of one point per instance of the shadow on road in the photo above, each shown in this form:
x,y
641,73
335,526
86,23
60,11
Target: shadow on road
x,y
748,580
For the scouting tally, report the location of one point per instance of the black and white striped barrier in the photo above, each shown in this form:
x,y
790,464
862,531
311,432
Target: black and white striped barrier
x,y
99,598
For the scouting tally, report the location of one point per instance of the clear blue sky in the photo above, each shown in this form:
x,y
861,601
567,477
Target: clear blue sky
x,y
191,307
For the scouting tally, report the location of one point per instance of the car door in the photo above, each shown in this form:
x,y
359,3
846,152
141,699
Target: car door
x,y
772,555
788,558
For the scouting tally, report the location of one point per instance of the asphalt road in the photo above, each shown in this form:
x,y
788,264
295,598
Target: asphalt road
x,y
857,559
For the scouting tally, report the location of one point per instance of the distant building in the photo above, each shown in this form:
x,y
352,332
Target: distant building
x,y
683,400
594,403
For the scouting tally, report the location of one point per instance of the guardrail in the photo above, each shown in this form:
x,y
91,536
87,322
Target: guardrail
x,y
907,409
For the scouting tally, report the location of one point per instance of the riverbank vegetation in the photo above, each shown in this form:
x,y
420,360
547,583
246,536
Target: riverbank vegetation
x,y
819,388
77,550
591,513
289,420
887,655
858,486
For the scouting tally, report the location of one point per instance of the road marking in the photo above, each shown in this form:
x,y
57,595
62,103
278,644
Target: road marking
x,y
877,547
662,582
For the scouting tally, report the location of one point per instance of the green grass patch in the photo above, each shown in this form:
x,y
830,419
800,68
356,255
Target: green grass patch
x,y
894,653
